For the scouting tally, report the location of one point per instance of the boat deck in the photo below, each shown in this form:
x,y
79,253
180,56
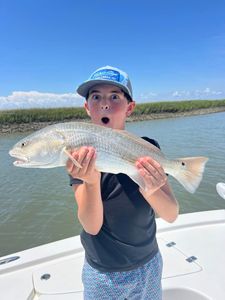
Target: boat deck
x,y
193,250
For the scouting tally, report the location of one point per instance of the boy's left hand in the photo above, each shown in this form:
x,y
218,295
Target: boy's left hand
x,y
152,174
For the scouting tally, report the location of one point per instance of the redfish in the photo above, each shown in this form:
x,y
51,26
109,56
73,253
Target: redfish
x,y
117,152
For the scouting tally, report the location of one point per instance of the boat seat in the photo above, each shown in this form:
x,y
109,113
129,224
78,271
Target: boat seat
x,y
171,254
59,277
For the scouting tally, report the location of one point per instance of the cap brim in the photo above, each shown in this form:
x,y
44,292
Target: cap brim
x,y
85,87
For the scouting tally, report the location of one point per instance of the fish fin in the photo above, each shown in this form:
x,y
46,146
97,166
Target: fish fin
x,y
76,163
191,172
138,140
130,135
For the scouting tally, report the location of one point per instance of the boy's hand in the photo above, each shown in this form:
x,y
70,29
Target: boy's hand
x,y
152,174
86,157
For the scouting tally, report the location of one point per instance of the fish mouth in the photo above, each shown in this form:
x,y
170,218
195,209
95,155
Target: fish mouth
x,y
105,120
20,160
26,162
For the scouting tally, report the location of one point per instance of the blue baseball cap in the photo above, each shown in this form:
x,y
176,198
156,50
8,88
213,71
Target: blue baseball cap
x,y
106,75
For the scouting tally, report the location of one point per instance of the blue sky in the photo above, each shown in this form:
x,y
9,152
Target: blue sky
x,y
172,50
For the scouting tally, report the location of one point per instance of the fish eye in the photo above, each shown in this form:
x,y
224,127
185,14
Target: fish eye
x,y
23,144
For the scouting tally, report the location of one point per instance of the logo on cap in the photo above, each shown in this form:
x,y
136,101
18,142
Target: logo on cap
x,y
108,74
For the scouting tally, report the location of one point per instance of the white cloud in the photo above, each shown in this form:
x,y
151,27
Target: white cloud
x,y
34,99
181,94
204,94
148,95
210,92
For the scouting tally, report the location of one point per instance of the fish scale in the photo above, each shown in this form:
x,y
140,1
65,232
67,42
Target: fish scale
x,y
108,140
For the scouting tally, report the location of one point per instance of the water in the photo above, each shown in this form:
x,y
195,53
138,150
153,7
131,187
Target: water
x,y
37,206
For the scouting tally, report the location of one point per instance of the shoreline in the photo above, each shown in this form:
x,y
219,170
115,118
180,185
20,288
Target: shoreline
x,y
33,126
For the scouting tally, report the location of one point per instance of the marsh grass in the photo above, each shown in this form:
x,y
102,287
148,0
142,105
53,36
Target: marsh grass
x,y
176,106
77,113
41,115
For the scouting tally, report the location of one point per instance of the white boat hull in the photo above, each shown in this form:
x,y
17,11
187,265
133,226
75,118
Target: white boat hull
x,y
193,250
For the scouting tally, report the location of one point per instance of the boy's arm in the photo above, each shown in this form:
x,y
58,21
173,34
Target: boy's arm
x,y
87,194
158,192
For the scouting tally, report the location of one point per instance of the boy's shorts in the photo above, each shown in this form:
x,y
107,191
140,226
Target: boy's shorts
x,y
143,283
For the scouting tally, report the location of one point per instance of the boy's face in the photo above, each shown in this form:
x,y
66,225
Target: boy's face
x,y
108,106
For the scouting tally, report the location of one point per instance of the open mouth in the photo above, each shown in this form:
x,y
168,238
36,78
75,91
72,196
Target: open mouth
x,y
19,159
19,162
105,120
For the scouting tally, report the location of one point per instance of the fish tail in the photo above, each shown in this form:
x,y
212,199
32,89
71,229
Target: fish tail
x,y
190,172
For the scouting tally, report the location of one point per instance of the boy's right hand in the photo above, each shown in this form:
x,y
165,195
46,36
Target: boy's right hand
x,y
86,157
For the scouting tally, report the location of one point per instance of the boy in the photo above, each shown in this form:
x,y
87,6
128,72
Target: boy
x,y
122,259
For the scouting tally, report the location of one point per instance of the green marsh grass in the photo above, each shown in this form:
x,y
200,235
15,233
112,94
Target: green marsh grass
x,y
77,113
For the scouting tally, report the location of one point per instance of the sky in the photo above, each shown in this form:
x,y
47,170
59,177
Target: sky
x,y
171,49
